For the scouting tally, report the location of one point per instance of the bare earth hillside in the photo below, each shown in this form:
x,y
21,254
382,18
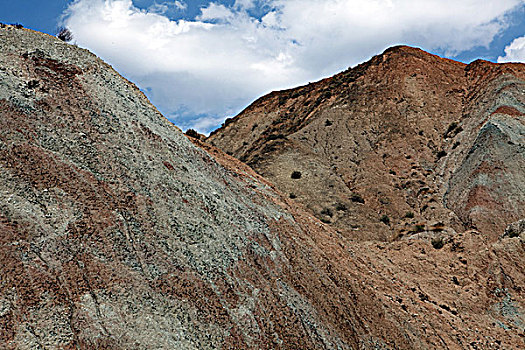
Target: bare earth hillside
x,y
117,232
405,144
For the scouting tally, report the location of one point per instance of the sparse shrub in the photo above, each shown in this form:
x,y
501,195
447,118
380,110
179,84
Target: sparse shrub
x,y
437,242
441,154
33,84
420,228
513,234
409,215
341,207
327,211
292,196
18,26
193,133
64,34
385,219
355,197
451,128
327,123
296,175
226,122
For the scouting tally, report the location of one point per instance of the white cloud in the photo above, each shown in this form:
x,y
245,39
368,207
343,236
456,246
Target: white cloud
x,y
180,5
244,4
224,58
202,123
216,11
515,52
165,7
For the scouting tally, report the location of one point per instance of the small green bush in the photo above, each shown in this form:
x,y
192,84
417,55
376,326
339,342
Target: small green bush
x,y
193,133
437,242
409,215
385,219
451,128
441,154
356,197
327,211
341,207
420,228
226,122
64,34
296,175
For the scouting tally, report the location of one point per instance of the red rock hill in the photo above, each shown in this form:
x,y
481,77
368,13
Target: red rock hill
x,y
405,144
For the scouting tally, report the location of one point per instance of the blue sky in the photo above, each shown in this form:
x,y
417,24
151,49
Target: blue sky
x,y
201,61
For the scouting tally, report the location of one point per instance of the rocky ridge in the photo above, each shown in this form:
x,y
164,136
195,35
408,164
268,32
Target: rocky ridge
x,y
117,232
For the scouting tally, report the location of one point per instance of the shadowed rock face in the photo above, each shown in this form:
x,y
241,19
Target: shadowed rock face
x,y
432,144
117,232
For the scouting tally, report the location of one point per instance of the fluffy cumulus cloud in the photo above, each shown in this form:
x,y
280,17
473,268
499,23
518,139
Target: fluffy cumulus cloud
x,y
515,52
201,70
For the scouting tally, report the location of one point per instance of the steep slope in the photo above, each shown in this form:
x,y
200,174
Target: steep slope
x,y
116,232
407,143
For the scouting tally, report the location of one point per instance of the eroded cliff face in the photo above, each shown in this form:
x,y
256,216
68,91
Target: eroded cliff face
x,y
117,232
486,178
407,144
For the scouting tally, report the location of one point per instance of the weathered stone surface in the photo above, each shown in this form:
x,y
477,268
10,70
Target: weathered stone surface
x,y
405,133
117,232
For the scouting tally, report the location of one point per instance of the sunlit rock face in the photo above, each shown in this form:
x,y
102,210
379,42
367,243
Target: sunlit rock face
x,y
117,232
405,143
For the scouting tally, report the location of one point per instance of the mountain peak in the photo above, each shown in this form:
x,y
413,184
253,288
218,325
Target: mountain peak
x,y
392,113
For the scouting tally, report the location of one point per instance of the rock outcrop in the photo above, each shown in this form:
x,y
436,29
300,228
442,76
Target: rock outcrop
x,y
117,232
404,144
